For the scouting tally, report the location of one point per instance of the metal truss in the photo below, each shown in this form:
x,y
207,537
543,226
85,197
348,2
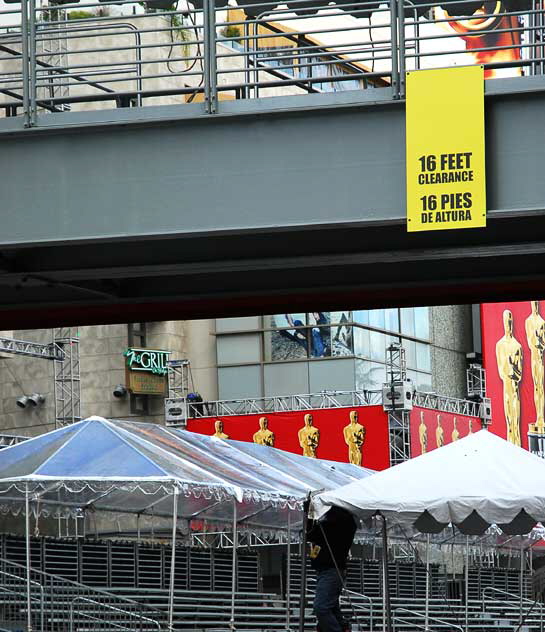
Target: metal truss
x,y
245,539
50,351
448,404
67,378
8,440
178,378
400,436
288,403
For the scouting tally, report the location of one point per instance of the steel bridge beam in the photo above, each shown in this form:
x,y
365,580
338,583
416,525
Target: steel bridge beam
x,y
270,205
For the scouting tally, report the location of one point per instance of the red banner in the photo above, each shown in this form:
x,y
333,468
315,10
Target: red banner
x,y
332,433
513,340
431,429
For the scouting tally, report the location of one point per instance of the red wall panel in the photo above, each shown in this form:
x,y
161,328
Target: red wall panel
x,y
492,325
464,425
329,421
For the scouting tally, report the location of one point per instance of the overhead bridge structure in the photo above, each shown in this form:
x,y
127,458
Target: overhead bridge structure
x,y
200,161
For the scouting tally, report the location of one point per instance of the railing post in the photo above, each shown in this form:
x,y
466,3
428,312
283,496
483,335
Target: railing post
x,y
209,48
394,47
32,61
25,63
401,47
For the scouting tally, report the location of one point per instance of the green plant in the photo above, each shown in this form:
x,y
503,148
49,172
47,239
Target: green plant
x,y
180,33
80,15
231,32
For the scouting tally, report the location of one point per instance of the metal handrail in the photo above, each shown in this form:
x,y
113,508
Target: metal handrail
x,y
22,593
504,592
78,585
520,599
420,615
109,607
361,606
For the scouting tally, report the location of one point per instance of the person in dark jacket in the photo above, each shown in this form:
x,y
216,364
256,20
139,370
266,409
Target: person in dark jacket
x,y
331,538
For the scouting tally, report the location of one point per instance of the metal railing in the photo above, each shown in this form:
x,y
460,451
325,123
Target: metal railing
x,y
314,401
426,620
60,57
13,590
59,597
516,601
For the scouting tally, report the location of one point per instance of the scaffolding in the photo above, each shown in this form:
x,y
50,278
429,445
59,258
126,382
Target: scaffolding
x,y
176,404
67,378
397,400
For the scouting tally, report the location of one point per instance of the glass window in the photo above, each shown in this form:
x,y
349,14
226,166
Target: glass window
x,y
286,344
284,321
422,322
407,321
377,345
320,342
342,340
391,319
410,353
361,316
423,382
369,375
341,318
376,318
423,356
361,342
238,348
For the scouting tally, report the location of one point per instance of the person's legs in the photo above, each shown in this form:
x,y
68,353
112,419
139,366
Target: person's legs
x,y
326,600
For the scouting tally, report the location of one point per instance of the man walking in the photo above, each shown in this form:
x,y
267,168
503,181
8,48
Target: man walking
x,y
331,538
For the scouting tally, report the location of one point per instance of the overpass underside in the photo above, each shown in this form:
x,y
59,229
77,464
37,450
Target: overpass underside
x,y
243,206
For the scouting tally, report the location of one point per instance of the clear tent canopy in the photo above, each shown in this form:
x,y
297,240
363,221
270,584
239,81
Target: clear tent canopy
x,y
136,468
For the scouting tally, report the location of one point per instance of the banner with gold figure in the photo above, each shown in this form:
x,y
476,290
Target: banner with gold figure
x,y
513,356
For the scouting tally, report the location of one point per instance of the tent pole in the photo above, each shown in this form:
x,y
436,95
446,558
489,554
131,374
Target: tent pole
x,y
234,566
467,584
288,574
173,559
427,610
386,583
521,579
303,591
27,540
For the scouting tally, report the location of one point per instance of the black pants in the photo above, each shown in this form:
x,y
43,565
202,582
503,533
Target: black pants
x,y
326,601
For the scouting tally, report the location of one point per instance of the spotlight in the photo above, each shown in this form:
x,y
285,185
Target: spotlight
x,y
22,402
35,399
120,391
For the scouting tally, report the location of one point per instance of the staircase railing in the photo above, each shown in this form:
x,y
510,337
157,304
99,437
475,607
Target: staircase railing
x,y
117,618
59,596
16,588
518,599
426,620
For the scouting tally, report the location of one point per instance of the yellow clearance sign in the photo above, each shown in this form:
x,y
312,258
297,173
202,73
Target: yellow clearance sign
x,y
446,185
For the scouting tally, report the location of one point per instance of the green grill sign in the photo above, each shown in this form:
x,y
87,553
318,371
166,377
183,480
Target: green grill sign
x,y
149,360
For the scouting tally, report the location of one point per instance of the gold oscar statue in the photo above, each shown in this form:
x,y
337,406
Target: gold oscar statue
x,y
535,335
455,434
509,361
470,427
309,437
439,433
423,434
354,437
264,436
219,434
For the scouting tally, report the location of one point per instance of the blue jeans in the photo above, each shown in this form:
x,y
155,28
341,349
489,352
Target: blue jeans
x,y
326,601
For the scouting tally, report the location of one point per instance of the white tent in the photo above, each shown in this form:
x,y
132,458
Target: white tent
x,y
472,483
